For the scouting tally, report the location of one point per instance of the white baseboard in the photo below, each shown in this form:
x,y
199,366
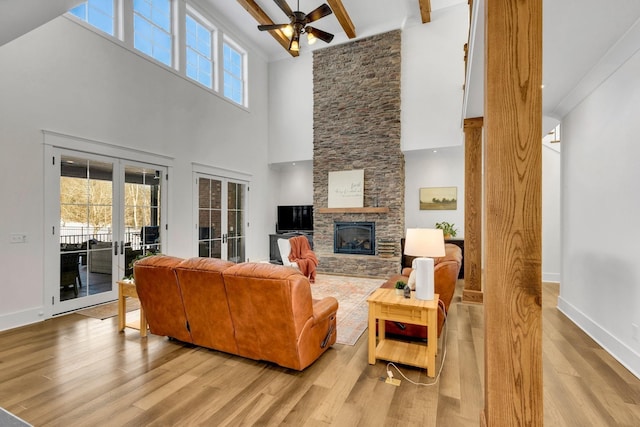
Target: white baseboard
x,y
21,318
620,351
550,277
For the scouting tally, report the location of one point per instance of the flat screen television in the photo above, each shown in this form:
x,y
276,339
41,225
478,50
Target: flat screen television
x,y
294,218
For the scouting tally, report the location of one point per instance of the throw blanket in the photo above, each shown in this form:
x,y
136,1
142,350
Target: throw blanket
x,y
302,255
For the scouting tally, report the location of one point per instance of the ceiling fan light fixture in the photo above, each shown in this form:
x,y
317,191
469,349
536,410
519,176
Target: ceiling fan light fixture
x,y
295,45
298,25
311,39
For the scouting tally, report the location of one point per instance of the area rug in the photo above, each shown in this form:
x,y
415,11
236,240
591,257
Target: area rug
x,y
110,309
353,310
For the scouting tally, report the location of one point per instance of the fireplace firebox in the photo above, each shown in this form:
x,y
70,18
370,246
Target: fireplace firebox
x,y
354,238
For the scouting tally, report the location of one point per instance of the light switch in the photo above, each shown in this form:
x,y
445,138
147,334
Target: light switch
x,y
17,238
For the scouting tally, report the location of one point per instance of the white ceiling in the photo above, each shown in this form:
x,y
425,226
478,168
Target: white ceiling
x,y
584,40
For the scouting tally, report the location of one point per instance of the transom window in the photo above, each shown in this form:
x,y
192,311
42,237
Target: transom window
x,y
233,61
199,52
99,13
152,28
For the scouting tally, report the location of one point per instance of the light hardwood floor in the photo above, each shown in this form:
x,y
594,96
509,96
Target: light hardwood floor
x,y
79,371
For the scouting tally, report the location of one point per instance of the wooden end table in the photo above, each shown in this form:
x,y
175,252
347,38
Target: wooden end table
x,y
385,304
127,288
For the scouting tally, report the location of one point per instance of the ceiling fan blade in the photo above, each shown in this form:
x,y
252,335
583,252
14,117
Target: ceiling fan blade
x,y
319,12
272,27
319,34
284,6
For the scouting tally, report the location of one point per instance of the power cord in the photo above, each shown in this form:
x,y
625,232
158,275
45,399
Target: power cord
x,y
444,355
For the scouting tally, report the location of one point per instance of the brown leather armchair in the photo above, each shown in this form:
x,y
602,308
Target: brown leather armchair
x,y
446,271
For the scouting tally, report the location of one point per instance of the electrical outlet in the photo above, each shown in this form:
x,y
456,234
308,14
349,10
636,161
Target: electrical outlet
x,y
393,381
17,238
636,332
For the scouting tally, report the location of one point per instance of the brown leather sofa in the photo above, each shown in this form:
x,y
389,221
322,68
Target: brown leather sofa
x,y
446,271
256,310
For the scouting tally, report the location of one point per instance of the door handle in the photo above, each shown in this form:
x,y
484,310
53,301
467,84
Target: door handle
x,y
115,248
122,246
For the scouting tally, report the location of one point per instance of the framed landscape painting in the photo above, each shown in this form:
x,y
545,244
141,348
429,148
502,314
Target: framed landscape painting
x,y
439,198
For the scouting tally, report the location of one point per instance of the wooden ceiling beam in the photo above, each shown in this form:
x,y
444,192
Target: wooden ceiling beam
x,y
343,17
425,10
263,19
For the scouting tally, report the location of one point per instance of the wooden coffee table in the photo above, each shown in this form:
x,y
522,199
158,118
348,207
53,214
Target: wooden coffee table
x,y
385,304
127,288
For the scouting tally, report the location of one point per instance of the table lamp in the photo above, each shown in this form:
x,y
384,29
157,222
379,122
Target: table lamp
x,y
424,243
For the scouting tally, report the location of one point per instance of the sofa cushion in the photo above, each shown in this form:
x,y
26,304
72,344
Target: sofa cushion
x,y
264,299
159,292
274,315
205,302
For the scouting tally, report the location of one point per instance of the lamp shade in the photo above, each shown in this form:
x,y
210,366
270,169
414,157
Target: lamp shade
x,y
424,242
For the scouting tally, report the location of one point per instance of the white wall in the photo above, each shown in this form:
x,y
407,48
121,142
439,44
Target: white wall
x,y
64,78
291,109
551,190
295,183
433,80
600,285
442,167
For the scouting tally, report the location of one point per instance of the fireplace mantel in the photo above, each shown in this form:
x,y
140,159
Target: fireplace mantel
x,y
352,210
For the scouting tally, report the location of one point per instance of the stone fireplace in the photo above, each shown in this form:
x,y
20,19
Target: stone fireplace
x,y
356,121
356,238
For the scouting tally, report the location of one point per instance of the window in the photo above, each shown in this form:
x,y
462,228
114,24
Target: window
x,y
152,28
199,56
98,13
233,74
176,33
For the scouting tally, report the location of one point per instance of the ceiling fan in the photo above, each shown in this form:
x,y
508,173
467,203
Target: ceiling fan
x,y
298,25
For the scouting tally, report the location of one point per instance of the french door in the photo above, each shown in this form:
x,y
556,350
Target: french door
x,y
221,217
110,213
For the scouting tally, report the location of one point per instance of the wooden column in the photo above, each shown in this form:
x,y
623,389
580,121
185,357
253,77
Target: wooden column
x,y
513,173
472,210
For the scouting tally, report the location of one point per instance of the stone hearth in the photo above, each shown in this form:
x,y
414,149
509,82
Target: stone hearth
x,y
357,126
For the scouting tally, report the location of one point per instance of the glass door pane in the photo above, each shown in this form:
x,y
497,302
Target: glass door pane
x,y
86,227
235,221
210,230
141,219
